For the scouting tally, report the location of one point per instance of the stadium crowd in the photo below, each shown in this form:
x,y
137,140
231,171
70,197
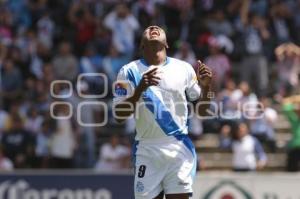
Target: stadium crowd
x,y
248,44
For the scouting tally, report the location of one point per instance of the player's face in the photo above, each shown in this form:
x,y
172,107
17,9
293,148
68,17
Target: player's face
x,y
154,34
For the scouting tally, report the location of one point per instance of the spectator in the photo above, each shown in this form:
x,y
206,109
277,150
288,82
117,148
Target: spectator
x,y
65,64
254,64
48,75
19,61
282,22
85,152
291,109
42,145
195,127
248,154
102,38
112,155
219,62
228,100
245,97
186,53
46,28
225,138
42,101
63,140
261,125
149,12
11,82
113,62
92,63
30,87
18,143
33,121
84,22
123,26
5,163
233,101
288,64
27,43
219,25
21,16
6,31
38,58
3,119
14,111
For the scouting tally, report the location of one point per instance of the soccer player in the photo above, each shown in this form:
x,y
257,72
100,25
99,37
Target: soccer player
x,y
157,89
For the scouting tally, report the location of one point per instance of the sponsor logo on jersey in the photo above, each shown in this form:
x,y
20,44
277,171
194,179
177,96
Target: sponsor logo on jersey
x,y
121,89
139,186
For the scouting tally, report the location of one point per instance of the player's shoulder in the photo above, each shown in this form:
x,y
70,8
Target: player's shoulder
x,y
175,60
131,65
180,63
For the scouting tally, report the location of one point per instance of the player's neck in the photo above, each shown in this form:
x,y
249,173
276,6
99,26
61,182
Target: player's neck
x,y
156,58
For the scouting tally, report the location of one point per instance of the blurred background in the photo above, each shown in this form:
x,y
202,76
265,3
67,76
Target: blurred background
x,y
251,46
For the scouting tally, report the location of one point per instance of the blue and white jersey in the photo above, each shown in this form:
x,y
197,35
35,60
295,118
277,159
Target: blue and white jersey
x,y
162,110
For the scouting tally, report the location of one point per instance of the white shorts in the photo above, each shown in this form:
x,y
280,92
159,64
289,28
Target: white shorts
x,y
167,164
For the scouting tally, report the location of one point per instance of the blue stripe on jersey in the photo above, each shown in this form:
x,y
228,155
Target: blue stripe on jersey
x,y
134,150
134,77
167,61
189,144
162,116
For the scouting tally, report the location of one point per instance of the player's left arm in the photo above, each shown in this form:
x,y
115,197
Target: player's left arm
x,y
204,76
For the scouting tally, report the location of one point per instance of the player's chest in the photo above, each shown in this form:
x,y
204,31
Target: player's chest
x,y
173,79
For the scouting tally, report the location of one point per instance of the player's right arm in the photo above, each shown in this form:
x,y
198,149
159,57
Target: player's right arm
x,y
125,106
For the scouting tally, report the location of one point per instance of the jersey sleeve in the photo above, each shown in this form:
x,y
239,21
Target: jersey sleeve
x,y
193,89
122,87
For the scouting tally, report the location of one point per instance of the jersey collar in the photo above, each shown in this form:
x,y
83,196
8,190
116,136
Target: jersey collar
x,y
143,61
